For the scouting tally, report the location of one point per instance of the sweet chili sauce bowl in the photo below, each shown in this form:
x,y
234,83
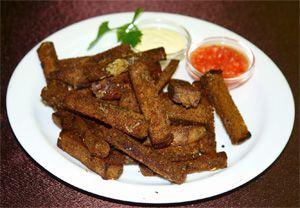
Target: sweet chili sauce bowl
x,y
239,46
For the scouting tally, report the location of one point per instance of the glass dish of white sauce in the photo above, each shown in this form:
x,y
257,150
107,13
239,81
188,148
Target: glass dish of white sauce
x,y
164,33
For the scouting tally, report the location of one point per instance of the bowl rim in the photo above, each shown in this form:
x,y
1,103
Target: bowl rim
x,y
224,41
187,35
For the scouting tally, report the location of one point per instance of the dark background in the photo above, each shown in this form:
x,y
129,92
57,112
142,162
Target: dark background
x,y
272,26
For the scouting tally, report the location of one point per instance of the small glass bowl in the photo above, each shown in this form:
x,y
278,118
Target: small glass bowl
x,y
166,24
235,44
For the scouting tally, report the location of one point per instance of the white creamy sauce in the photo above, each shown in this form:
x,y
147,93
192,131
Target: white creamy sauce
x,y
160,37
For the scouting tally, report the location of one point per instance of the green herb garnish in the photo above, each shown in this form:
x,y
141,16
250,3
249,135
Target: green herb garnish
x,y
128,33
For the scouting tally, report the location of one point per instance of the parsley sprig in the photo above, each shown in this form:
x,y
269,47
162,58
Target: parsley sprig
x,y
127,34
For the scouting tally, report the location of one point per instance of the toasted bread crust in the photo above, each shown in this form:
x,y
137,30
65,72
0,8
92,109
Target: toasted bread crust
x,y
145,91
54,94
128,100
204,163
202,114
145,155
85,128
83,71
108,168
166,75
219,96
48,58
123,119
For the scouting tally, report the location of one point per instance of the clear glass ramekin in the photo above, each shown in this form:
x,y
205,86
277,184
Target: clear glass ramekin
x,y
167,24
235,44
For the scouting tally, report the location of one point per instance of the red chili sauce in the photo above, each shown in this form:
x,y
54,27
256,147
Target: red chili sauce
x,y
229,60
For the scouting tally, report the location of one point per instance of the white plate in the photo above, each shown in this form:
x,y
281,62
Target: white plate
x,y
265,102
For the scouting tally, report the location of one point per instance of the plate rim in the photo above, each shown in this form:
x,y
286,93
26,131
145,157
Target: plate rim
x,y
246,180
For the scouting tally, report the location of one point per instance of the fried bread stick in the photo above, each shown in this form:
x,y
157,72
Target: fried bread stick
x,y
78,72
72,63
82,75
218,95
113,53
150,104
188,151
152,55
144,155
192,141
182,92
48,58
202,114
108,168
194,165
154,69
128,99
121,51
54,94
69,121
166,75
204,163
123,119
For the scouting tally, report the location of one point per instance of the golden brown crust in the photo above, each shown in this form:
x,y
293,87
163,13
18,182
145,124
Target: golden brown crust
x,y
123,119
85,128
128,99
152,55
166,75
202,114
81,75
68,120
82,71
194,165
145,155
109,168
120,51
218,95
188,151
150,104
154,69
54,94
204,163
48,58
102,131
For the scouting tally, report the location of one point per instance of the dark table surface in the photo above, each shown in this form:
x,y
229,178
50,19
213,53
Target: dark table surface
x,y
272,26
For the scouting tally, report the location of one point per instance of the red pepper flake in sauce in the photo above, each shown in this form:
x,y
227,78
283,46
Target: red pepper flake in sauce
x,y
231,61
